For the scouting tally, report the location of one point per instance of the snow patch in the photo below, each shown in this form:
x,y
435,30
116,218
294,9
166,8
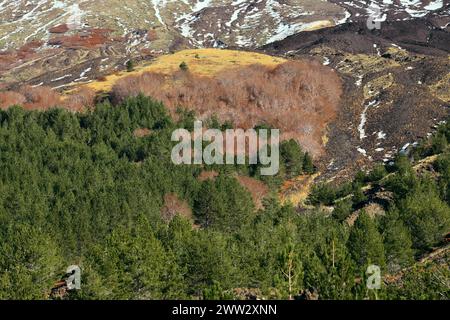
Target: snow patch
x,y
361,130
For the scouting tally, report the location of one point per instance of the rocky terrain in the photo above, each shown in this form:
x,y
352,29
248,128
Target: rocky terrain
x,y
396,82
198,22
396,10
82,40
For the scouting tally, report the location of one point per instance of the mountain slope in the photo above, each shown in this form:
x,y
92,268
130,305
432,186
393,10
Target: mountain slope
x,y
396,85
40,36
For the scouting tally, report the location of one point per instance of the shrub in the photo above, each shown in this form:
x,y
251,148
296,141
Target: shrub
x,y
184,66
40,98
130,65
11,98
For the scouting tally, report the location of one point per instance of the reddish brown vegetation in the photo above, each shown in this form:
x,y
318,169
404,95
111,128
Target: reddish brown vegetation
x,y
62,28
79,100
152,35
257,189
7,59
43,98
28,48
39,98
173,206
205,175
11,98
141,132
87,39
298,97
26,52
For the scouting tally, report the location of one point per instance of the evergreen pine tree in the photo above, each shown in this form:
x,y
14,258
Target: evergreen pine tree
x,y
308,166
397,242
365,243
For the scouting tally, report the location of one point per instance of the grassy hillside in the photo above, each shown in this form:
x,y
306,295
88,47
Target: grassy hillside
x,y
202,62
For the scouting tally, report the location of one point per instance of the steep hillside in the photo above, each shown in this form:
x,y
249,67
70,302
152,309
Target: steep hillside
x,y
199,22
70,37
245,89
396,87
92,92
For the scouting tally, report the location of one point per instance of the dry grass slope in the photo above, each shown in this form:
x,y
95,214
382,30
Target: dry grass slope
x,y
202,62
